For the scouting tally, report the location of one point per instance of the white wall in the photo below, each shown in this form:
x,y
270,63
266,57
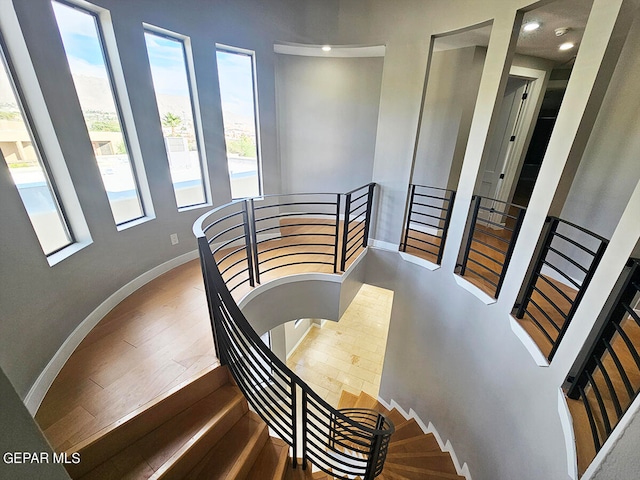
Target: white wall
x,y
327,119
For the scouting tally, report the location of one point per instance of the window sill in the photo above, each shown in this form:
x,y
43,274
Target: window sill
x,y
66,252
134,223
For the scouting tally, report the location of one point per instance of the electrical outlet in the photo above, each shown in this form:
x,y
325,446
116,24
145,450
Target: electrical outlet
x,y
174,239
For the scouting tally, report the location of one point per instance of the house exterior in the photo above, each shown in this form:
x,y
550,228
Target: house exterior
x,y
451,356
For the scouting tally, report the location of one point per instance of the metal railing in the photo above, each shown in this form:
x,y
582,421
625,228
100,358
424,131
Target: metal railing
x,y
493,230
608,380
427,224
343,443
357,220
562,271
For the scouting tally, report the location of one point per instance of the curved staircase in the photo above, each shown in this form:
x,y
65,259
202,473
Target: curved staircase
x,y
412,454
203,429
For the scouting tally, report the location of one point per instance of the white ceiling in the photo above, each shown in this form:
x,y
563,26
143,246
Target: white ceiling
x,y
542,43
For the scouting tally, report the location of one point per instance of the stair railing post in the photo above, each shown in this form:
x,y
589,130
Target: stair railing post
x,y
207,262
254,240
367,218
304,429
336,249
247,242
294,422
474,217
552,225
579,295
412,194
445,227
374,452
512,244
345,231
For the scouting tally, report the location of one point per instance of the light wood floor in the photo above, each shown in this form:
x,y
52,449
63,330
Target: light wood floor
x,y
347,355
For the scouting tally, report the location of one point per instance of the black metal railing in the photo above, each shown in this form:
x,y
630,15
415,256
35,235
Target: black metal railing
x,y
493,229
343,443
253,237
427,223
357,220
561,273
608,380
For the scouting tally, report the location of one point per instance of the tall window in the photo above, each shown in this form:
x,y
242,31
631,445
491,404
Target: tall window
x,y
83,44
20,151
167,57
236,74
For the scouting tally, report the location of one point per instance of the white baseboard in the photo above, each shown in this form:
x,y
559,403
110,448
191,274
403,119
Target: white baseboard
x,y
428,229
47,376
528,342
463,469
419,261
392,247
475,291
569,437
304,335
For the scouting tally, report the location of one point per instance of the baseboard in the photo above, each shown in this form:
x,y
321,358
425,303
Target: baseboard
x,y
473,290
392,247
569,437
428,229
304,335
528,342
419,261
462,470
47,376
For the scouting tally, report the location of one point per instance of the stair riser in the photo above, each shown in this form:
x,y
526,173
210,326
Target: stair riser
x,y
183,461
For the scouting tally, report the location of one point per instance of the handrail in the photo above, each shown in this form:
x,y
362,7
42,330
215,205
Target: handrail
x,y
426,227
350,442
613,355
551,303
496,229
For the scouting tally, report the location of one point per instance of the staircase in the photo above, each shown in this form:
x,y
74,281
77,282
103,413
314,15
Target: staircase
x,y
202,429
413,454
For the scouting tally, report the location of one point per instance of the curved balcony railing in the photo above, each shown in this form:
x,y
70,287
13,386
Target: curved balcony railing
x,y
247,241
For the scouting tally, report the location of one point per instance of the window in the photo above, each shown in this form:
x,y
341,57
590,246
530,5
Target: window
x,y
171,82
91,72
22,155
238,94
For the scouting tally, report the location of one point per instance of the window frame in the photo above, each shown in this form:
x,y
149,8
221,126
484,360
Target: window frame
x,y
195,111
97,13
220,47
6,61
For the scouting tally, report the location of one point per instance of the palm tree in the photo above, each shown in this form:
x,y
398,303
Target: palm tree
x,y
171,120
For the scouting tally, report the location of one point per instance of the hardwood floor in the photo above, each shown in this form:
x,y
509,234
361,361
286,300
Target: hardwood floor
x,y
152,341
155,339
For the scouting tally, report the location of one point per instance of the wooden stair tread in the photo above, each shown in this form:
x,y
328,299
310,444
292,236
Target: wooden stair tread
x,y
271,462
235,453
436,461
422,443
408,429
160,450
367,401
396,417
347,400
416,473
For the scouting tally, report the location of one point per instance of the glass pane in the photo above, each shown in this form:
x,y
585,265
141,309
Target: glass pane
x,y
83,46
235,73
171,85
23,159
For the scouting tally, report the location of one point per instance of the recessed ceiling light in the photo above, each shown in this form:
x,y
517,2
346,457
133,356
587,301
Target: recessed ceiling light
x,y
567,46
531,26
326,48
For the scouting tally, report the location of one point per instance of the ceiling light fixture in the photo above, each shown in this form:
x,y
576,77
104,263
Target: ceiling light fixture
x,y
326,48
531,26
567,46
561,31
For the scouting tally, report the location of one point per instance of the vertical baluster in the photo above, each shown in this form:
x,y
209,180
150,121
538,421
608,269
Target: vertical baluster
x,y
474,217
512,243
367,218
304,429
552,223
445,227
337,235
254,235
374,451
412,195
247,242
345,232
294,422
